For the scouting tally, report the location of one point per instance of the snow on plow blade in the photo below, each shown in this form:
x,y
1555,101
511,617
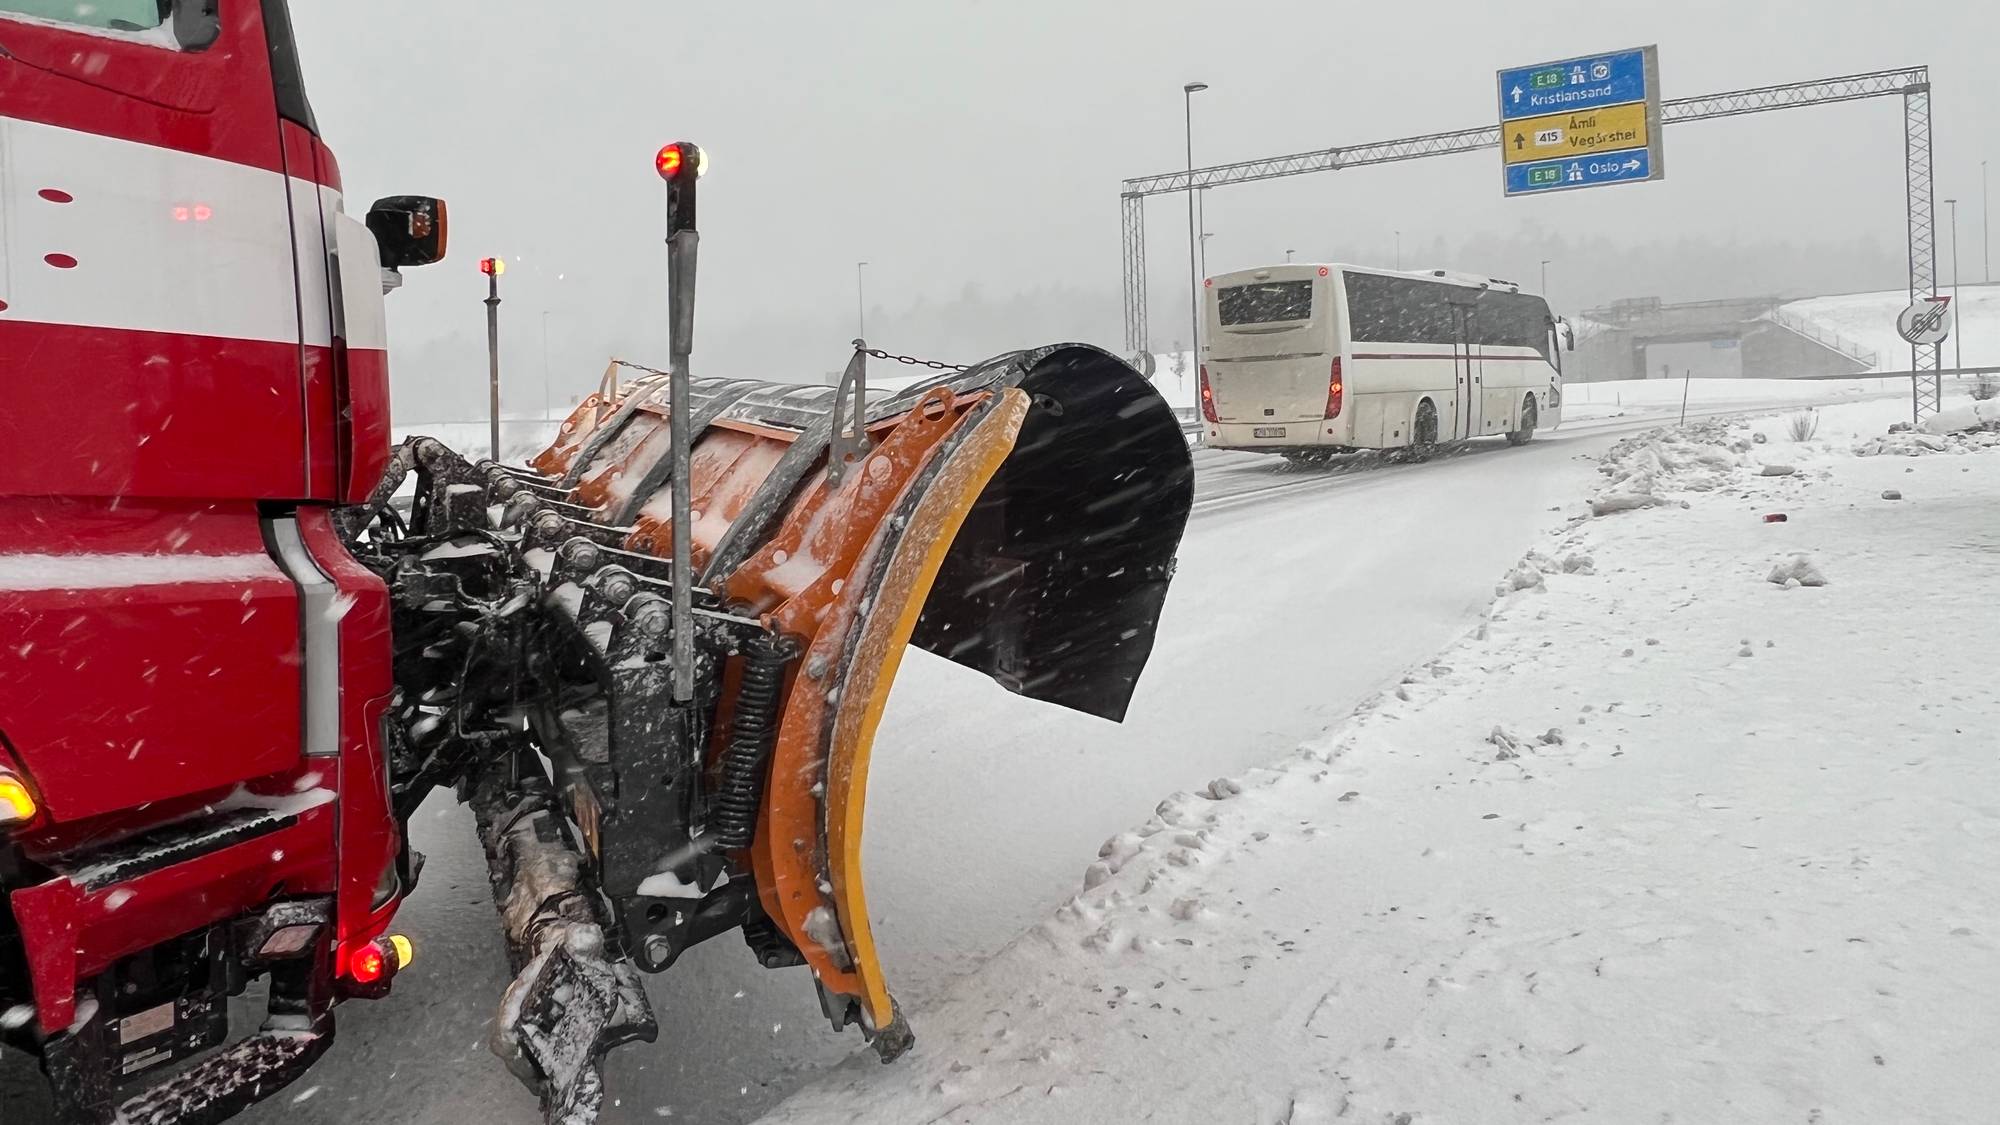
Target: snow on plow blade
x,y
1020,518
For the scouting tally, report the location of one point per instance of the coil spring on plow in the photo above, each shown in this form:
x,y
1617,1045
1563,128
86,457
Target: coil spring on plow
x,y
740,793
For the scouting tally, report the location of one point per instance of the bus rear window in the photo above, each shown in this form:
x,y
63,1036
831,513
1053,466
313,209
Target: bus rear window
x,y
1266,303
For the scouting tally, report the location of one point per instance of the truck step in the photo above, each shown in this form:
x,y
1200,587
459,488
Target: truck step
x,y
224,1084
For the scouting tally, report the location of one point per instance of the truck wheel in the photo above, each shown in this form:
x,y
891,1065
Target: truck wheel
x,y
1424,432
1527,430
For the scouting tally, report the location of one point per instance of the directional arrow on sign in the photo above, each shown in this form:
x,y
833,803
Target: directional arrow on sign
x,y
1517,95
1520,141
1633,165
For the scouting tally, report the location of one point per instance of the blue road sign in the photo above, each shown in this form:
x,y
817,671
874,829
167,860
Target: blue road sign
x,y
1573,84
1580,172
1590,121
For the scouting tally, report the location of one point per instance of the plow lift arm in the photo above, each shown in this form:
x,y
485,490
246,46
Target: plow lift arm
x,y
653,659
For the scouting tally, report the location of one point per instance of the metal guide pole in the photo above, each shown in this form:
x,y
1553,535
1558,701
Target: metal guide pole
x,y
680,342
680,164
493,359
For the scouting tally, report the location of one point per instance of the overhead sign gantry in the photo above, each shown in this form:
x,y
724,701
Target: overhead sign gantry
x,y
1911,84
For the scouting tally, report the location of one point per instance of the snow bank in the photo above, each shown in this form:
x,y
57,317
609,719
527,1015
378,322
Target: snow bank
x,y
1659,840
1960,419
1653,469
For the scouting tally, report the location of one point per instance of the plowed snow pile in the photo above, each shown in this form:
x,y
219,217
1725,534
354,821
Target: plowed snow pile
x,y
1673,836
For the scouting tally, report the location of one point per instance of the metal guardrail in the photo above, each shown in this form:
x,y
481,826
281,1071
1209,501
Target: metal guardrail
x,y
1826,337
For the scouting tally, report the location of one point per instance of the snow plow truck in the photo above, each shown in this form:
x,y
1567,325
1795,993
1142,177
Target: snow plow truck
x,y
243,634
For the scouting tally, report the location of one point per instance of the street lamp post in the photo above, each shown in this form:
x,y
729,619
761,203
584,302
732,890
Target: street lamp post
x,y
1194,242
1958,327
1288,256
1986,220
1399,249
1545,278
546,396
860,303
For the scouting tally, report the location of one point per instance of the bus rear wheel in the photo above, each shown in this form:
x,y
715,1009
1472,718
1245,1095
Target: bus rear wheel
x,y
1527,430
1424,432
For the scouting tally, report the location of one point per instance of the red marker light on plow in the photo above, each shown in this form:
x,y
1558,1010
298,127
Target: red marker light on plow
x,y
368,964
374,962
17,805
672,159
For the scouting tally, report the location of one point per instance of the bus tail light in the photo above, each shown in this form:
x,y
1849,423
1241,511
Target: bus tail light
x,y
1333,390
1207,398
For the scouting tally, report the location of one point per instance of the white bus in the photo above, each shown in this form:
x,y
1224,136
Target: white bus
x,y
1310,360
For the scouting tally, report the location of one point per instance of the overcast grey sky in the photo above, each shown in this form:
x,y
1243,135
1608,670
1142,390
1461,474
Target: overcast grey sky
x,y
956,142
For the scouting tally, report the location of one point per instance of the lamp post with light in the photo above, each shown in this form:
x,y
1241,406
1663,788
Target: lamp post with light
x,y
860,302
1194,241
1958,336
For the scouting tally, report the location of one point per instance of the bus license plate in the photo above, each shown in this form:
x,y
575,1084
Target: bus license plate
x,y
1270,431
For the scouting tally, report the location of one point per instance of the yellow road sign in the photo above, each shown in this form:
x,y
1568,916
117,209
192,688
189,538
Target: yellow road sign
x,y
1583,133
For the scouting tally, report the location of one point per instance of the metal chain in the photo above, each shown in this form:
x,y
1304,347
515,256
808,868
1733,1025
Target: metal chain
x,y
640,367
876,353
913,361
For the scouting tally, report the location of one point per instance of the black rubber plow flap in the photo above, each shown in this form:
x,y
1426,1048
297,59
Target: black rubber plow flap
x,y
1054,584
575,995
567,1009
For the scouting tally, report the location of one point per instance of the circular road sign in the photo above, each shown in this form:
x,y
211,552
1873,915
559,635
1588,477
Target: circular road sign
x,y
1926,321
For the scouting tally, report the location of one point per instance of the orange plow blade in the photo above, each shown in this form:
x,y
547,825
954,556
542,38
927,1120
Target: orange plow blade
x,y
1019,517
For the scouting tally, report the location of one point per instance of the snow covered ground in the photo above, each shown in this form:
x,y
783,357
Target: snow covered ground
x,y
1659,840
1349,552
1869,319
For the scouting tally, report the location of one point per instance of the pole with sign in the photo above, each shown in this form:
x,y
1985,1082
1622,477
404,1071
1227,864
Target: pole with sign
x,y
1582,122
1925,324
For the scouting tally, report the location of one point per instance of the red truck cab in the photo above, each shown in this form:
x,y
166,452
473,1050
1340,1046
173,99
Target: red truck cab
x,y
193,670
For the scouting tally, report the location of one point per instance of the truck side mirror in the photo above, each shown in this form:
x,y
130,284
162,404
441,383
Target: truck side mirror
x,y
196,24
409,230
